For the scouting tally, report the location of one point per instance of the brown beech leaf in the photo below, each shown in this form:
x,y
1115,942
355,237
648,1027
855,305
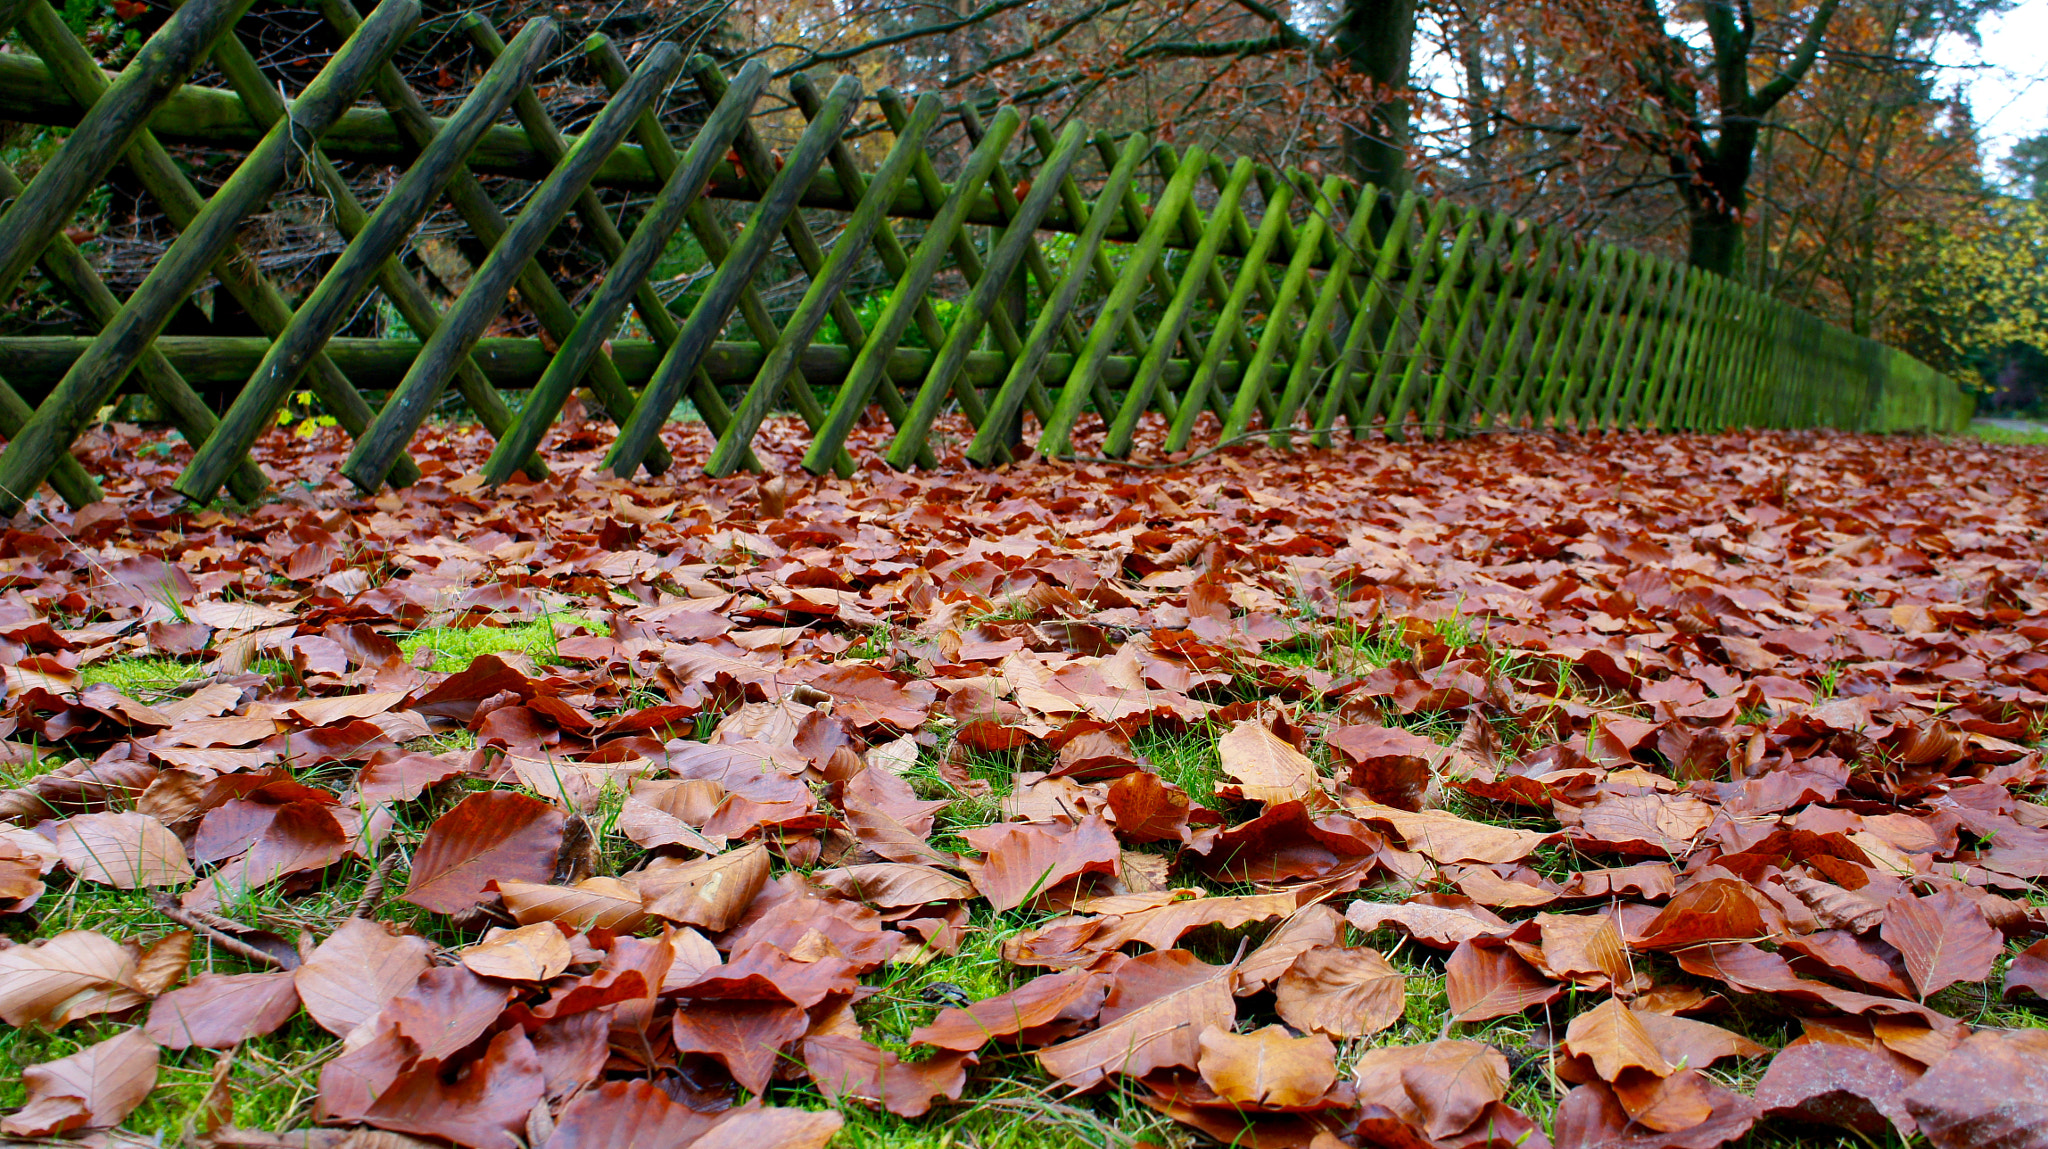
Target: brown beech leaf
x,y
1024,861
219,1011
1488,980
355,971
1267,1067
1830,1084
1592,1117
772,1128
1075,996
1148,808
1606,1041
1449,839
483,1105
51,978
892,885
1715,910
710,892
530,953
1161,926
593,903
1390,764
1690,1044
1835,907
1263,766
844,1067
1311,927
1991,1093
1439,926
126,851
1442,1087
2028,973
1341,991
94,1088
865,696
1943,938
403,778
1163,1032
1583,945
493,835
164,962
628,1115
746,1037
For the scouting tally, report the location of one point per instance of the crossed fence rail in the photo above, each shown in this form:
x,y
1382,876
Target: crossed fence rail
x,y
1330,303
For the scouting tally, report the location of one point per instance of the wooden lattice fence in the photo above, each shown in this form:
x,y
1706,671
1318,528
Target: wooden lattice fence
x,y
1288,307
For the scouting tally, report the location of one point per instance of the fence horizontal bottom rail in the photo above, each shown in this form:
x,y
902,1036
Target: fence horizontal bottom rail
x,y
36,362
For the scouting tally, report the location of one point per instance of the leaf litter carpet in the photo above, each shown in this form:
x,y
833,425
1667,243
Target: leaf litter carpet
x,y
1531,790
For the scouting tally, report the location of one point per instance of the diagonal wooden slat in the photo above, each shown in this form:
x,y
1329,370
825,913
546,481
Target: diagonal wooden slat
x,y
1193,280
1397,345
72,67
1452,378
1356,241
627,274
723,293
189,413
510,256
990,442
409,116
92,380
1251,385
982,303
1208,376
1054,439
367,258
869,365
825,291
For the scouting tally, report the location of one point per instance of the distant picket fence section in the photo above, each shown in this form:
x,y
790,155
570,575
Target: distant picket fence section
x,y
1330,304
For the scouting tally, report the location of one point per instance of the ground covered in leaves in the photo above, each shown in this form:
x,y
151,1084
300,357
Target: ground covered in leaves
x,y
1616,791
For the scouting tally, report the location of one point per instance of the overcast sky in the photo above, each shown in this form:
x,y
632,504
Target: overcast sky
x,y
2009,92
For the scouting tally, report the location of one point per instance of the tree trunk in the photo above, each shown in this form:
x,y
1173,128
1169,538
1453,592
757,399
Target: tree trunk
x,y
1374,37
1716,235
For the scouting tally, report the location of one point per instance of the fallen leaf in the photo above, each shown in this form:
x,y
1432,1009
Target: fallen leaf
x,y
1024,861
355,971
1267,1067
747,1037
53,976
94,1088
484,1105
1991,1093
490,836
530,953
1487,981
1264,767
1442,1087
1344,992
710,892
844,1067
125,851
1164,1031
628,1115
1943,938
593,903
1837,1085
220,1011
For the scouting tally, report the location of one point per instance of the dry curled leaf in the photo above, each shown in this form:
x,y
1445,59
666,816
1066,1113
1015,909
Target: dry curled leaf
x,y
94,1088
1267,1067
1344,992
490,836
